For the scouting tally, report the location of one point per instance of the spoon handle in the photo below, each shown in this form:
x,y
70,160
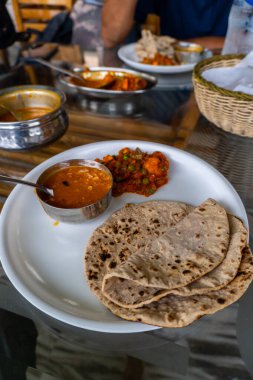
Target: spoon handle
x,y
6,109
22,182
60,69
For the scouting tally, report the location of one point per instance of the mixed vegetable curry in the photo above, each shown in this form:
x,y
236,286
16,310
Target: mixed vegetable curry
x,y
137,172
160,59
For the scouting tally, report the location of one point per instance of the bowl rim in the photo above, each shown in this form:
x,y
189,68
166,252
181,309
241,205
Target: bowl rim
x,y
183,46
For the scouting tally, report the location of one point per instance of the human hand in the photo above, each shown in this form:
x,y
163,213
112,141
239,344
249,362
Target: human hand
x,y
213,43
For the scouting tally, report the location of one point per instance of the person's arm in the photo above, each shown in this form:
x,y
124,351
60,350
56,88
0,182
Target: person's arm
x,y
212,43
117,20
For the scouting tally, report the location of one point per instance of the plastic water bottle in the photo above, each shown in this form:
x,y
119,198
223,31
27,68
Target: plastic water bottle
x,y
239,37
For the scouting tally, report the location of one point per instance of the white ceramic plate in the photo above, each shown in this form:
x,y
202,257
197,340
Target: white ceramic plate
x,y
45,261
127,55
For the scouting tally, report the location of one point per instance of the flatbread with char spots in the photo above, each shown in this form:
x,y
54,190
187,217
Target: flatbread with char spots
x,y
187,251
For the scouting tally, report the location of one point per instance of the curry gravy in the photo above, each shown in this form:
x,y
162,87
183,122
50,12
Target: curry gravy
x,y
25,114
77,186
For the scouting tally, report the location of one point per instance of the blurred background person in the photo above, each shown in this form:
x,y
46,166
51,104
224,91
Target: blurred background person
x,y
86,16
200,21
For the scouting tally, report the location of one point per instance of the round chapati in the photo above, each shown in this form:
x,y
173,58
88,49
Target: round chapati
x,y
124,232
187,251
130,294
226,271
177,311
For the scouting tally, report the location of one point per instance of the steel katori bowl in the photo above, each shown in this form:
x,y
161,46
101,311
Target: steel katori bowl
x,y
189,52
35,131
78,214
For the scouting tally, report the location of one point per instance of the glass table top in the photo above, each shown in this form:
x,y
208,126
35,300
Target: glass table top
x,y
215,347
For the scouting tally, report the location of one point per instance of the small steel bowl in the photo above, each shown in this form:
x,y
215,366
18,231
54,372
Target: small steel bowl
x,y
188,52
74,215
32,133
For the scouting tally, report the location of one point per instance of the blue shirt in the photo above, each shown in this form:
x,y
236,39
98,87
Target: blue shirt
x,y
98,3
188,18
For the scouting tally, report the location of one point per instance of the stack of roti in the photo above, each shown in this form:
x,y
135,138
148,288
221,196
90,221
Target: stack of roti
x,y
167,263
149,44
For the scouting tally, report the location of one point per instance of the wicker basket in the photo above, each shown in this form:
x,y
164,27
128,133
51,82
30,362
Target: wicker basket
x,y
229,110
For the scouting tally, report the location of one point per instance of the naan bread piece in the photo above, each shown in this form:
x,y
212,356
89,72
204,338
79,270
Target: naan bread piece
x,y
146,45
149,44
130,294
193,247
164,45
176,311
124,232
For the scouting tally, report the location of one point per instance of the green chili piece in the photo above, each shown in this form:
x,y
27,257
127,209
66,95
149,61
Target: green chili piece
x,y
131,168
125,157
145,181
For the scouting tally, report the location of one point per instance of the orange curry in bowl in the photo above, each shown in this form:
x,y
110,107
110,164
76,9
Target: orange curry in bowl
x,y
77,186
27,113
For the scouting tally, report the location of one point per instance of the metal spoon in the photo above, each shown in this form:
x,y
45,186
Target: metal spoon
x,y
60,69
86,82
13,113
46,190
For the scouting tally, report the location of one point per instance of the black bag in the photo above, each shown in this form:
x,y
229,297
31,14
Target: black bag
x,y
7,30
59,30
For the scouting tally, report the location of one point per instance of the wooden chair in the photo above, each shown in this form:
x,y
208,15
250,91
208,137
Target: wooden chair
x,y
152,23
35,14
